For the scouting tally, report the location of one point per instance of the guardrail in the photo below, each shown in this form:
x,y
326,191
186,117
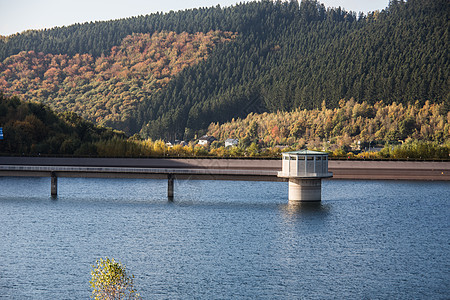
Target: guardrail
x,y
173,171
132,172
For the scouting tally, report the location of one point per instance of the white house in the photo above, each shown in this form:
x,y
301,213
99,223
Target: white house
x,y
206,140
231,142
176,142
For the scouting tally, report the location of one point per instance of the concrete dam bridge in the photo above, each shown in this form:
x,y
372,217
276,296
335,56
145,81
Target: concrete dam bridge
x,y
285,170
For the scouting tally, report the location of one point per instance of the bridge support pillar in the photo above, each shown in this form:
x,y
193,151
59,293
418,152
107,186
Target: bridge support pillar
x,y
305,190
170,187
54,185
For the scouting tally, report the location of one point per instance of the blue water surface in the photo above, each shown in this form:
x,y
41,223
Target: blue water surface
x,y
226,239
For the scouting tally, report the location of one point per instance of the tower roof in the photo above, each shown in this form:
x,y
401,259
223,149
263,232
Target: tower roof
x,y
306,152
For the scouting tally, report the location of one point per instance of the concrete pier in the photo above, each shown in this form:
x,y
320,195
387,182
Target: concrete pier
x,y
54,185
306,190
170,187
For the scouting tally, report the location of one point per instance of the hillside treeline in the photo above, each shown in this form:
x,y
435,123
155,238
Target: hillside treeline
x,y
106,89
287,55
33,128
340,128
297,56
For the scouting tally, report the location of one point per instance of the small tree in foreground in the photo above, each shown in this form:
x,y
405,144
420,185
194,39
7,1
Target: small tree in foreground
x,y
110,281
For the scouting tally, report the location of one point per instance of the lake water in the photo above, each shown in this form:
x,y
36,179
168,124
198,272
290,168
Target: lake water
x,y
226,240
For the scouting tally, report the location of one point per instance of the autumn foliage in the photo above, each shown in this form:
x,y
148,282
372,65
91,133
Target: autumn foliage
x,y
342,127
106,89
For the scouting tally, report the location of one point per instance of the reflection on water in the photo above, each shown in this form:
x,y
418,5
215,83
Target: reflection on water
x,y
296,208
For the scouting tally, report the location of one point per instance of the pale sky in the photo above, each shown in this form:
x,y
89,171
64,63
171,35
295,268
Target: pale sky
x,y
19,15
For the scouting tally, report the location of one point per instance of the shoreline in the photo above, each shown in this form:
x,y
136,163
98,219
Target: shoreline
x,y
392,170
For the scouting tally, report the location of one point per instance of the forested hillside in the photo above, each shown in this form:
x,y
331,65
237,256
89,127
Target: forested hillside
x,y
33,128
297,58
286,55
340,127
106,89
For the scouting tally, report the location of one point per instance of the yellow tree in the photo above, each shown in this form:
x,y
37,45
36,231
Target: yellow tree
x,y
111,281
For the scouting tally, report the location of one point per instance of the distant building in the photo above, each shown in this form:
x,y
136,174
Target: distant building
x,y
176,142
281,147
231,142
206,140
